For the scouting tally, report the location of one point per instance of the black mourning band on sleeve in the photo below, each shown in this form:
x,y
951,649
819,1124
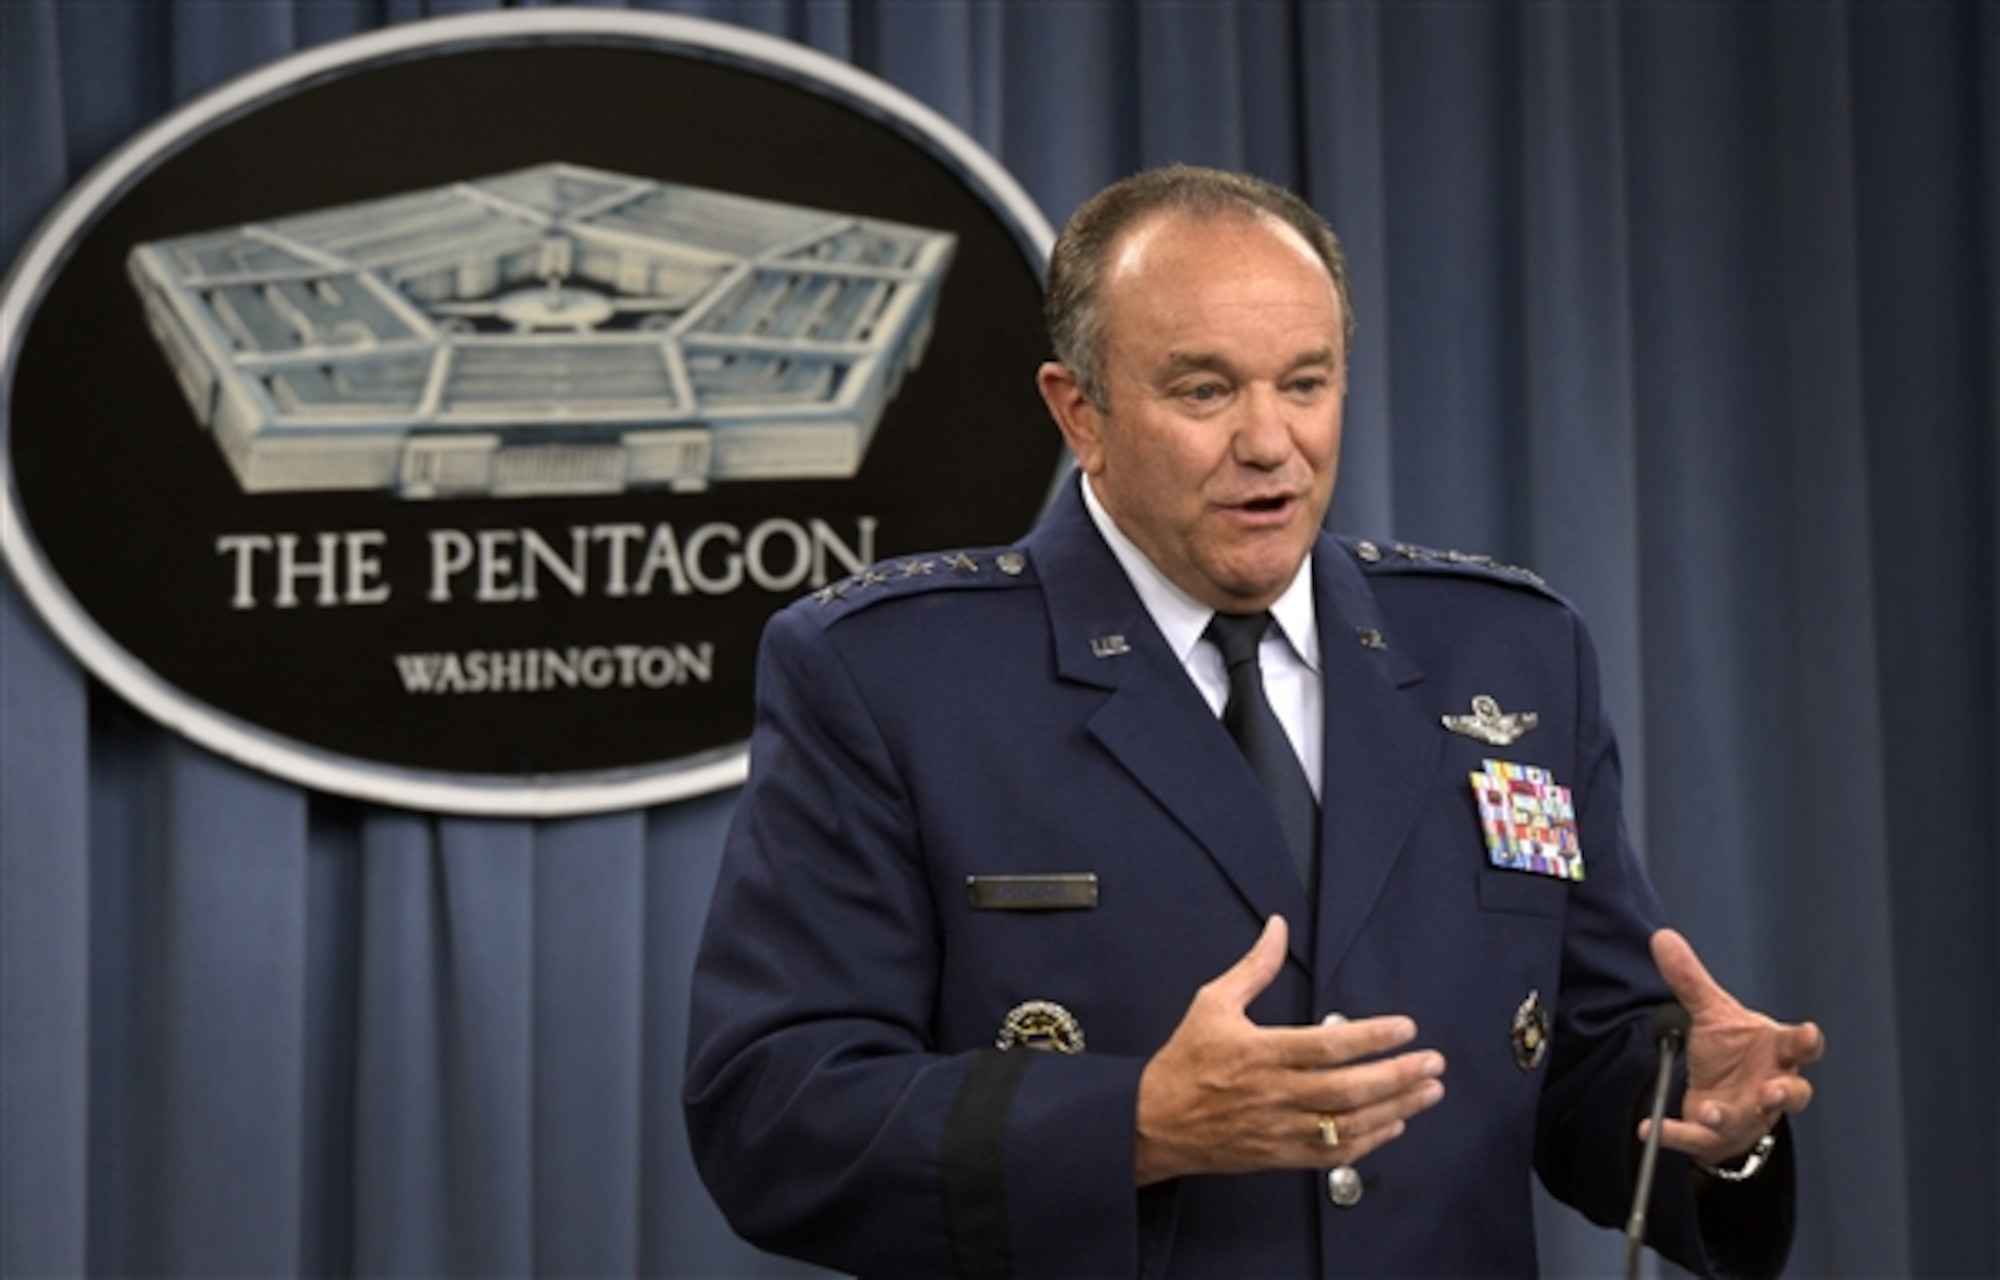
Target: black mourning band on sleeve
x,y
973,1166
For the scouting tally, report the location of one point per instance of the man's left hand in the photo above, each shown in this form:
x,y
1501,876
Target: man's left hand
x,y
1744,1070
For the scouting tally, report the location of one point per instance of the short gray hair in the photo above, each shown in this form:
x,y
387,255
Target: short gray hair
x,y
1070,305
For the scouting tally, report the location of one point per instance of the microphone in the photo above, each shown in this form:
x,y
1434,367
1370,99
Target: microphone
x,y
1670,1031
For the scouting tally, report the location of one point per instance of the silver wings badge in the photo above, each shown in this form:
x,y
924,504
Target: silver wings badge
x,y
1489,724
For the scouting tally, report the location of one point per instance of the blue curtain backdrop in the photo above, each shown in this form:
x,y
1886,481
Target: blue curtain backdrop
x,y
1693,306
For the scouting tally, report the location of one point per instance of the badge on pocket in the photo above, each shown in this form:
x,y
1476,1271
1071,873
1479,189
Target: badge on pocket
x,y
1529,821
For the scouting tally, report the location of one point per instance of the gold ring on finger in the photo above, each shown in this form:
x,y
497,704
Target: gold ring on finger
x,y
1329,1132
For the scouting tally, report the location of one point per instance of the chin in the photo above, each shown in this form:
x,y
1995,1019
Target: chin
x,y
1270,577
1250,595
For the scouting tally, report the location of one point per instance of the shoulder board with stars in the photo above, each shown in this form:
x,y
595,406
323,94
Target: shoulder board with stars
x,y
1391,556
916,574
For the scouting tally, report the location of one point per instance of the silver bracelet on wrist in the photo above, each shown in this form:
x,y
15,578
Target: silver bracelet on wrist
x,y
1748,1167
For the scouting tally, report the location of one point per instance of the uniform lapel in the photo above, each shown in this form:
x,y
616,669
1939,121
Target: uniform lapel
x,y
1381,751
1153,721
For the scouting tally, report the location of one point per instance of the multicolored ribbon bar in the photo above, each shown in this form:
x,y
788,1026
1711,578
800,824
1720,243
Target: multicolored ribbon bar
x,y
1529,821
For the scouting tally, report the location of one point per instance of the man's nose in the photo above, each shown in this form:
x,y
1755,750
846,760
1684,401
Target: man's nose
x,y
1264,428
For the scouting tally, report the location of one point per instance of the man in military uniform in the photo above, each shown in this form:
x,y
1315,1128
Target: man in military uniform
x,y
1032,955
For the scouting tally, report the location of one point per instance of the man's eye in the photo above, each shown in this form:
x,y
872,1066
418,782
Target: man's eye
x,y
1203,392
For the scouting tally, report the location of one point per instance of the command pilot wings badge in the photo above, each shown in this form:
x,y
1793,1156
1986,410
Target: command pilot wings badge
x,y
1490,725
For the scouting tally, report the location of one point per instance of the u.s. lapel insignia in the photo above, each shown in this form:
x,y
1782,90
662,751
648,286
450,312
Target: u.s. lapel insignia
x,y
1530,1034
1040,1024
1492,726
1108,646
1529,821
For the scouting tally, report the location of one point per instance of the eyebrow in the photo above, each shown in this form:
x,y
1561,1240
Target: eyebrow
x,y
1317,356
1180,362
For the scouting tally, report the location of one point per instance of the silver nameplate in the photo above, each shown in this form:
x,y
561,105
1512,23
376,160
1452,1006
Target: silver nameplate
x,y
1058,891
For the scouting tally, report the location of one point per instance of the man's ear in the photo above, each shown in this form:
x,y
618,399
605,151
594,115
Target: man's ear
x,y
1079,420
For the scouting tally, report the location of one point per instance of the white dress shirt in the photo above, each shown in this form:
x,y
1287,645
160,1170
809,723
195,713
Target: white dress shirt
x,y
1289,655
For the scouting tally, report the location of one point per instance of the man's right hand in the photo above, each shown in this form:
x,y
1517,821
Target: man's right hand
x,y
1225,1095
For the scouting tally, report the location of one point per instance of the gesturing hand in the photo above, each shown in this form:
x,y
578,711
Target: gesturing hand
x,y
1225,1095
1744,1069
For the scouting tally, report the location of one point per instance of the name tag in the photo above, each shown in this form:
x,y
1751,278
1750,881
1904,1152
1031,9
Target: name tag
x,y
1059,891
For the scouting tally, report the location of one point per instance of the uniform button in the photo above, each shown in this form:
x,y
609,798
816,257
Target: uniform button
x,y
1343,1186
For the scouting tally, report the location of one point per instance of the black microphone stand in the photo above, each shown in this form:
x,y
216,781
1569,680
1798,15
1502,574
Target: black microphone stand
x,y
1670,1028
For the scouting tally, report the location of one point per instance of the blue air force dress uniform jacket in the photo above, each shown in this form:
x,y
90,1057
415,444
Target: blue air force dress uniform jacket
x,y
944,721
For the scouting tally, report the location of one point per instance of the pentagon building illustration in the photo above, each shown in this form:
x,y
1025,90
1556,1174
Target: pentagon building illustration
x,y
554,330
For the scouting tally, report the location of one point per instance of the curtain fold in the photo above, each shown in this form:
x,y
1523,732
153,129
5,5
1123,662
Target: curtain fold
x,y
1452,176
1693,308
227,989
402,1204
1343,172
46,919
1926,288
589,1017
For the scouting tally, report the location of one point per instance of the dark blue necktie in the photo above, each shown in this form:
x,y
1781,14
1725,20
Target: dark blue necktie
x,y
1250,720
